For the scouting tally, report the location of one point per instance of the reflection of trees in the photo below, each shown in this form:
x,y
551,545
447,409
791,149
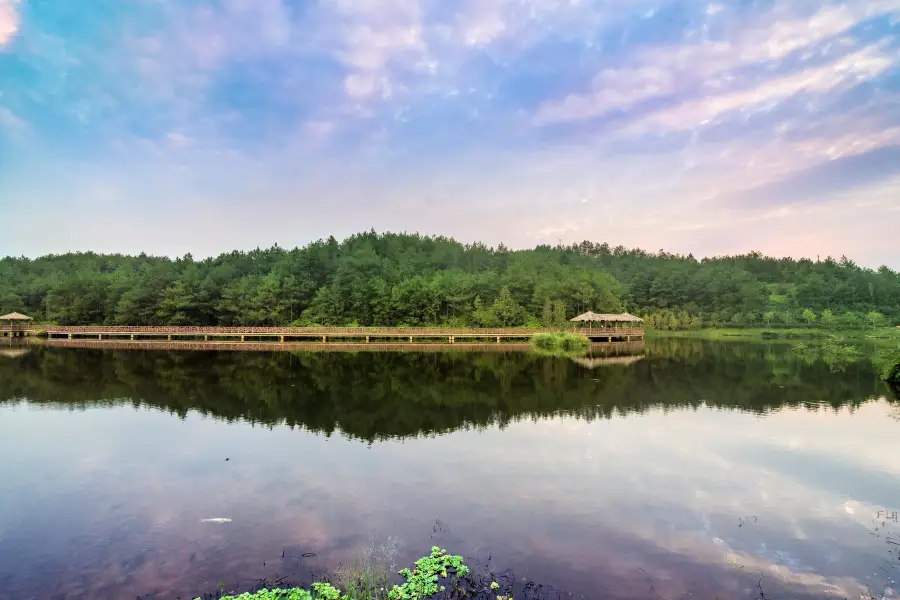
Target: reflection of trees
x,y
379,395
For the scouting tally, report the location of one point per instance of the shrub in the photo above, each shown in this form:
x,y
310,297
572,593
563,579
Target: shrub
x,y
560,343
891,370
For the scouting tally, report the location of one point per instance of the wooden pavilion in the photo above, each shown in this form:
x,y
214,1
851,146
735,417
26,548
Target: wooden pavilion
x,y
14,324
608,320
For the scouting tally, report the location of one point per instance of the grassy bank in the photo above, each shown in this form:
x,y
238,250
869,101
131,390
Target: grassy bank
x,y
887,336
560,343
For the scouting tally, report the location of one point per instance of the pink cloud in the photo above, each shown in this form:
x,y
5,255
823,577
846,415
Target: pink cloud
x,y
9,21
661,71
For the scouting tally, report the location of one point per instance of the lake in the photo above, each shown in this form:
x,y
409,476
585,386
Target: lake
x,y
696,469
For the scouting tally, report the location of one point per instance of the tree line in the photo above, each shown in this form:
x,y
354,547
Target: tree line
x,y
395,279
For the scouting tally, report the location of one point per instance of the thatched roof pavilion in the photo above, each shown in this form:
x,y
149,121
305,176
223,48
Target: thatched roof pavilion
x,y
592,317
15,323
14,316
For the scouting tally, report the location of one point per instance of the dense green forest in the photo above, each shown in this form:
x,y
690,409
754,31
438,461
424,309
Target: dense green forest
x,y
404,279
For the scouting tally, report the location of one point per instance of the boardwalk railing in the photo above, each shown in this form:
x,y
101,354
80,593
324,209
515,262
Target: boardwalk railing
x,y
323,333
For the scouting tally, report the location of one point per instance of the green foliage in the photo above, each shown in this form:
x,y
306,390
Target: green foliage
x,y
422,581
809,316
560,343
276,594
875,319
394,279
890,370
318,591
370,279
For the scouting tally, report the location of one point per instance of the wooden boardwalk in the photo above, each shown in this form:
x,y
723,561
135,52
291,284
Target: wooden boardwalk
x,y
597,350
318,334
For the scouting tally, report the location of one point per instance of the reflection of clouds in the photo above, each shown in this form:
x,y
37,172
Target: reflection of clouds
x,y
661,491
684,462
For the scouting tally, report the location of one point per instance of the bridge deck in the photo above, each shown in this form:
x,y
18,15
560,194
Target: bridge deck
x,y
283,334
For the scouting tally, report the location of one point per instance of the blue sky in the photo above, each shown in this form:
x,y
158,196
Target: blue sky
x,y
175,126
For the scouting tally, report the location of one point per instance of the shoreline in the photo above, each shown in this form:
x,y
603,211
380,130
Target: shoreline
x,y
882,336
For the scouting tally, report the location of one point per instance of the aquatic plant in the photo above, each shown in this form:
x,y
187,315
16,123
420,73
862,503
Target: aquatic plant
x,y
424,580
560,343
318,591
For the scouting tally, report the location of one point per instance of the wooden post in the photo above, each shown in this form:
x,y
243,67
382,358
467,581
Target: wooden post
x,y
242,338
498,339
367,339
70,336
100,336
410,339
282,339
169,337
205,338
132,337
324,339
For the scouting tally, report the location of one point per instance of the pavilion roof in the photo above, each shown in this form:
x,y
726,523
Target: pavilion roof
x,y
610,318
14,316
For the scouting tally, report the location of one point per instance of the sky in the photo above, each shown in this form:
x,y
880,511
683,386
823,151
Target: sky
x,y
201,126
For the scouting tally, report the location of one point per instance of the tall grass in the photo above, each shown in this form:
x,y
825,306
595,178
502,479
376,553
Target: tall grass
x,y
560,343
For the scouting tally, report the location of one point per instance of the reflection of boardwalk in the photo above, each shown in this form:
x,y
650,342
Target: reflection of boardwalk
x,y
606,349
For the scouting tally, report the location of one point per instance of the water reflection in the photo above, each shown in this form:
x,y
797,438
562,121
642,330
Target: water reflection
x,y
626,480
377,396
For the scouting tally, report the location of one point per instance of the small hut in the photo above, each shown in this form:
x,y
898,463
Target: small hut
x,y
607,319
14,322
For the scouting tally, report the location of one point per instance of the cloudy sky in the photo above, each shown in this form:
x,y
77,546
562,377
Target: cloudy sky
x,y
175,126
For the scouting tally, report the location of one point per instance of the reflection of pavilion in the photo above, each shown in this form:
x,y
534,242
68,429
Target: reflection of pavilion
x,y
612,327
601,361
14,352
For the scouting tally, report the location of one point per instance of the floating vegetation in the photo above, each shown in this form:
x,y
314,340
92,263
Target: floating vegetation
x,y
560,343
436,572
438,576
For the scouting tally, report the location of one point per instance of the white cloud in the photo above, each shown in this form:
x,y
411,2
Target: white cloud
x,y
613,89
9,20
178,140
668,70
849,70
374,38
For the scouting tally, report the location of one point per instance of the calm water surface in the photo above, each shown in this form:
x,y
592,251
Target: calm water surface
x,y
692,471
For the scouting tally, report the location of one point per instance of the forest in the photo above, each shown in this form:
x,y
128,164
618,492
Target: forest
x,y
396,279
